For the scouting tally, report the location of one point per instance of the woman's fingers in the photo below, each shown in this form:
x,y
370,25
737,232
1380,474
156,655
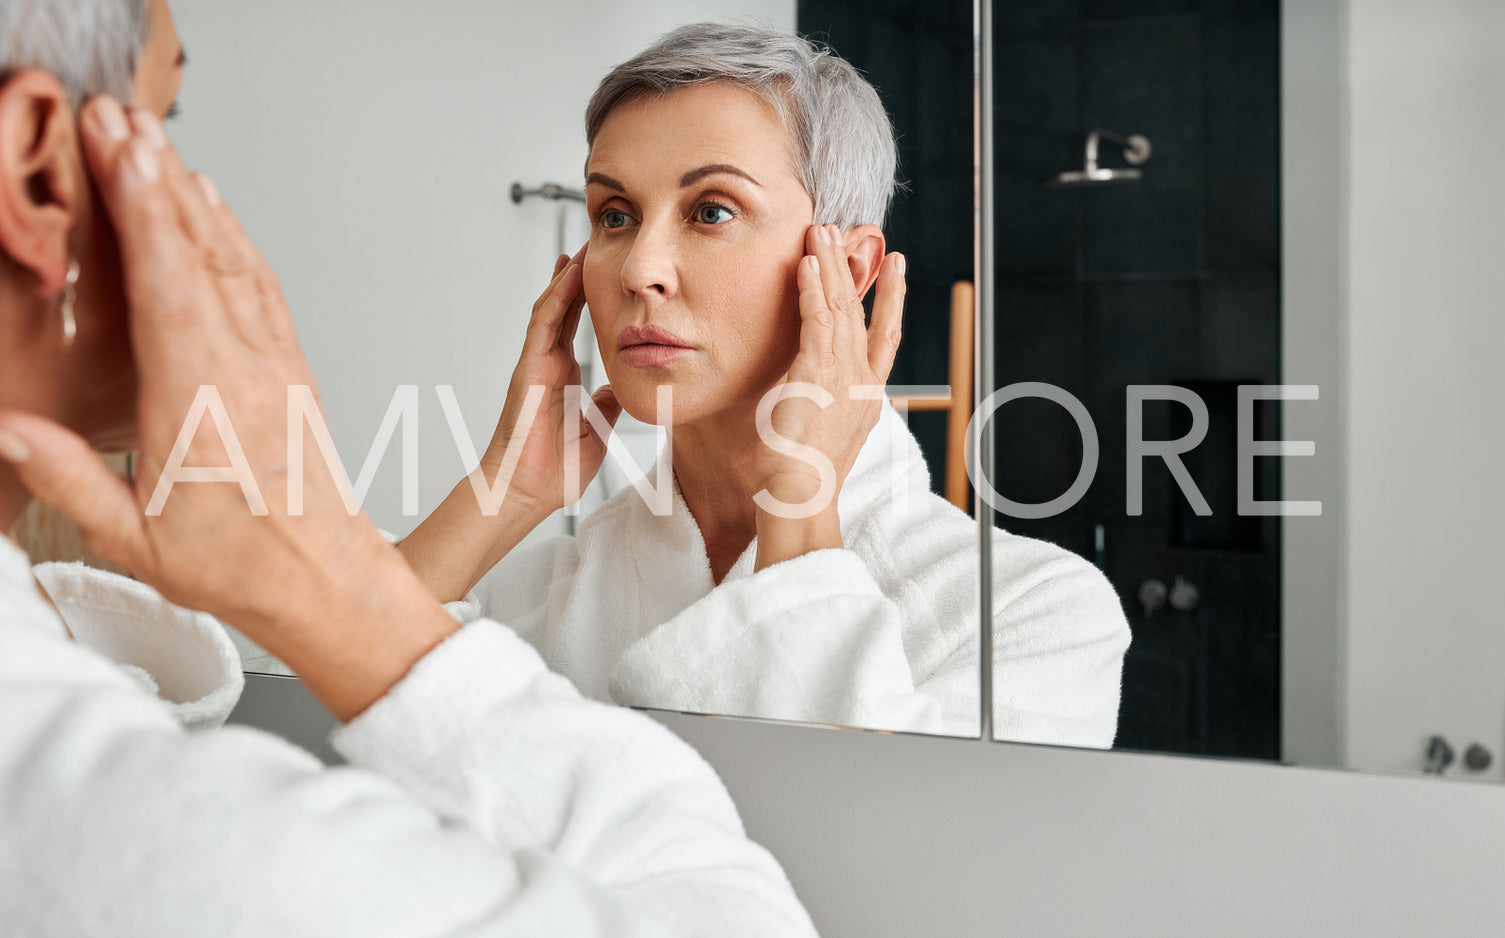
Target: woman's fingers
x,y
836,272
816,319
163,276
886,329
571,322
605,402
553,309
194,216
261,294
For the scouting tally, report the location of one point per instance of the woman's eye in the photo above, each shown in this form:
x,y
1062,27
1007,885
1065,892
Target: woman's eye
x,y
612,218
713,214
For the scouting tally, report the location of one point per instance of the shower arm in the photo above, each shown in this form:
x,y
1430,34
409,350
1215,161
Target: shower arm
x,y
1136,148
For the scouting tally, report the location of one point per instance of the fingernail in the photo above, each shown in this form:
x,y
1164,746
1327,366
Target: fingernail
x,y
900,264
149,127
835,233
144,161
814,262
109,118
13,448
206,186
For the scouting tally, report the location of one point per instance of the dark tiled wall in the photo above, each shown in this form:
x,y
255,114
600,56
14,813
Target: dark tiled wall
x,y
1171,280
918,53
1174,279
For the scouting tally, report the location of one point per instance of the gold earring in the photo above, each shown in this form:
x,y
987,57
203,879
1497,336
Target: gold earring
x,y
70,323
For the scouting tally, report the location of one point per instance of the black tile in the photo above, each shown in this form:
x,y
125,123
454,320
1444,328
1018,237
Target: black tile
x,y
1035,135
831,21
1239,617
924,355
1214,469
1137,333
1240,337
1165,677
1038,338
1242,140
1098,11
1242,9
935,145
1038,335
1145,78
1013,18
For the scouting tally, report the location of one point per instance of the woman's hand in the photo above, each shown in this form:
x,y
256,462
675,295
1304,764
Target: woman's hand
x,y
319,587
542,428
815,422
522,479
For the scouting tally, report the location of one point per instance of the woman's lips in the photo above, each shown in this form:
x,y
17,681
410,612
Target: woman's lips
x,y
649,346
650,355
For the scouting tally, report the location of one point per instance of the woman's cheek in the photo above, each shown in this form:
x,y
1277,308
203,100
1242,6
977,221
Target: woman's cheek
x,y
595,281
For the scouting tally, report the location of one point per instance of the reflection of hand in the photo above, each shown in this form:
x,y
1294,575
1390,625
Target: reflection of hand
x,y
540,430
205,310
841,363
540,425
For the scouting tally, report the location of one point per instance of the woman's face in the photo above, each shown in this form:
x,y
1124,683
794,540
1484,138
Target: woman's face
x,y
698,223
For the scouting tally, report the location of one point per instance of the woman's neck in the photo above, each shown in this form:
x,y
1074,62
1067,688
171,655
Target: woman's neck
x,y
713,466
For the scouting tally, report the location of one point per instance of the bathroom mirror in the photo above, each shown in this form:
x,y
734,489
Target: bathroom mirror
x,y
1230,223
409,174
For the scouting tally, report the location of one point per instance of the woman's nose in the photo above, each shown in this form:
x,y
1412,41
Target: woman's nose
x,y
650,269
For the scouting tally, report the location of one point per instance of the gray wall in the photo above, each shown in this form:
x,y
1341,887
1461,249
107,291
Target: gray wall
x,y
909,836
1426,327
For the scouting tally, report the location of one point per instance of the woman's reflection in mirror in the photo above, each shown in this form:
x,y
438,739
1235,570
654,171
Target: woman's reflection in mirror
x,y
737,182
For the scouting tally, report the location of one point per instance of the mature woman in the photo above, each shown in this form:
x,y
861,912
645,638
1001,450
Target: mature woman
x,y
736,182
126,286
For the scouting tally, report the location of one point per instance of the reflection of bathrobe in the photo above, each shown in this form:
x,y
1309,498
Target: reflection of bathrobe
x,y
881,634
491,798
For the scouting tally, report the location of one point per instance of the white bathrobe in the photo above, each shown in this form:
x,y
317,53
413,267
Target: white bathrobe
x,y
882,634
488,796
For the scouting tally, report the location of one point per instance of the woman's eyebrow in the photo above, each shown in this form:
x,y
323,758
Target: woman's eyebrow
x,y
601,179
695,175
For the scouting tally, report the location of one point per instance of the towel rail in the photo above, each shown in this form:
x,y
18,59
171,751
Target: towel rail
x,y
549,190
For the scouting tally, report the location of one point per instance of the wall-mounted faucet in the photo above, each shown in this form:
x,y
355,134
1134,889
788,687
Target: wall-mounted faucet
x,y
1439,756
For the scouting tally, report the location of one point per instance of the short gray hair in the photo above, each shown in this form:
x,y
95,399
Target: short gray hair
x,y
843,139
90,46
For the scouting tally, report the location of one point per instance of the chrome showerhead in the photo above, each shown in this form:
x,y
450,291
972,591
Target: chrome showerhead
x,y
1136,150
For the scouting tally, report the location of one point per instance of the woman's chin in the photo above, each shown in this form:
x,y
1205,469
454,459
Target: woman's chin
x,y
646,410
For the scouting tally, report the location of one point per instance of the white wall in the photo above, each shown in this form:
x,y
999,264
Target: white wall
x,y
368,145
1393,305
1426,330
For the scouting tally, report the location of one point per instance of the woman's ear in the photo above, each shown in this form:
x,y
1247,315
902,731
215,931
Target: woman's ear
x,y
41,176
865,252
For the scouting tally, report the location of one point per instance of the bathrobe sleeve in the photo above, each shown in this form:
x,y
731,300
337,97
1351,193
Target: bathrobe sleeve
x,y
1059,640
486,797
